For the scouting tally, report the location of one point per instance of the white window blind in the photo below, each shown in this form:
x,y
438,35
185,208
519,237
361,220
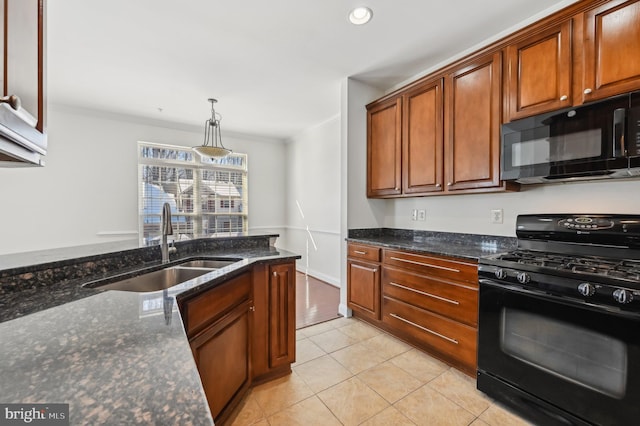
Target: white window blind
x,y
207,196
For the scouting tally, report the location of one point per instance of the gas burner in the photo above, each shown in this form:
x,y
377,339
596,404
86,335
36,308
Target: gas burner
x,y
628,270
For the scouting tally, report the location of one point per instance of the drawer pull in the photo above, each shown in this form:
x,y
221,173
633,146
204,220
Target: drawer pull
x,y
424,293
359,252
425,264
449,339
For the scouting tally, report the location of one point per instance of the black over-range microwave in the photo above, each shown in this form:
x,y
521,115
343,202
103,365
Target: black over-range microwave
x,y
598,140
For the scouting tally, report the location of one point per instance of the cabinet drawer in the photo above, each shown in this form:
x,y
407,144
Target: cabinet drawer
x,y
210,305
449,340
437,266
364,252
455,301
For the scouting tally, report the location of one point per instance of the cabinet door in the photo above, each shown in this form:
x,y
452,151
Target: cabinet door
x,y
611,49
282,314
422,139
539,72
363,294
472,124
24,56
221,353
384,145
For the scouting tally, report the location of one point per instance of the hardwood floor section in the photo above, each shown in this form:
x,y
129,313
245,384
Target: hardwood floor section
x,y
316,301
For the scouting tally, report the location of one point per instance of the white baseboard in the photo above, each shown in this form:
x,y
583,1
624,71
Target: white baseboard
x,y
322,277
344,311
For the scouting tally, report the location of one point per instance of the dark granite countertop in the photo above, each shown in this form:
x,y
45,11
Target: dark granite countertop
x,y
465,246
114,356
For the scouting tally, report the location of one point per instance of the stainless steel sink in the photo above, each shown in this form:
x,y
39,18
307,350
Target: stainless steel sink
x,y
164,278
206,263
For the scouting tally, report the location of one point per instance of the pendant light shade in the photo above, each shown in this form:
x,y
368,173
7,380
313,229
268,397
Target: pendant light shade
x,y
212,145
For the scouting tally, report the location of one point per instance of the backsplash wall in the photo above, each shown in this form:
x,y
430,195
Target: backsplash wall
x,y
472,213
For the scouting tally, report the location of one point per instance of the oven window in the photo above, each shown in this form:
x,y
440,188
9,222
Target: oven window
x,y
587,358
537,147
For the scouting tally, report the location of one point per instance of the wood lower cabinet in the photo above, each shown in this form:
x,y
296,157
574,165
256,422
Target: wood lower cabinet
x,y
274,321
242,332
430,301
539,72
282,315
363,280
221,353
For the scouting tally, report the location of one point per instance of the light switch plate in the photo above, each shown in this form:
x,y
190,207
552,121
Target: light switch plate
x,y
414,214
496,216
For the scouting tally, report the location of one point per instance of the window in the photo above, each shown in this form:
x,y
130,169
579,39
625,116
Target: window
x,y
207,196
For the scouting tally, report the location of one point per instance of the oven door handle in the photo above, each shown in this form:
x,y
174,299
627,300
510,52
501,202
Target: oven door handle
x,y
560,299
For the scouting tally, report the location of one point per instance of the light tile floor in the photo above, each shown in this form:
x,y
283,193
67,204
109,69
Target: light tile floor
x,y
350,373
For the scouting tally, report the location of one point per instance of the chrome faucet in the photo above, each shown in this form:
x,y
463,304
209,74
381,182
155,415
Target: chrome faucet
x,y
167,229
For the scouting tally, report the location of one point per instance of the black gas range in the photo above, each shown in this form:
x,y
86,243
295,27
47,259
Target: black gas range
x,y
559,319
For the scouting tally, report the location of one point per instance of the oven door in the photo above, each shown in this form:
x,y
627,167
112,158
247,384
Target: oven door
x,y
557,353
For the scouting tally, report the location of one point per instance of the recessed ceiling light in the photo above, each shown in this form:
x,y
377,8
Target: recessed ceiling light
x,y
360,15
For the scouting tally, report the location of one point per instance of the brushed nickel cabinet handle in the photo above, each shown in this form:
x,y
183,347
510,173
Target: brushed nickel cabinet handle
x,y
424,293
564,97
438,185
587,91
435,333
359,252
449,183
424,264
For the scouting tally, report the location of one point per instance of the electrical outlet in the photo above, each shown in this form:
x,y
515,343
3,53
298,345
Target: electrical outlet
x,y
496,216
422,215
414,214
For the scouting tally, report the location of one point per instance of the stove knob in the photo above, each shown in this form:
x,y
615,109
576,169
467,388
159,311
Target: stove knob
x,y
523,277
501,274
586,289
622,296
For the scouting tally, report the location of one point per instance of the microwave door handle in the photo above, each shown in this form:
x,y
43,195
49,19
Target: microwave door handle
x,y
619,115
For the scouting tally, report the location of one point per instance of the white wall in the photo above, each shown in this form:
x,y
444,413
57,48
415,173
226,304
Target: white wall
x,y
89,183
471,213
357,210
313,200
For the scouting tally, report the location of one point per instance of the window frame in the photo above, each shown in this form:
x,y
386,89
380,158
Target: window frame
x,y
179,167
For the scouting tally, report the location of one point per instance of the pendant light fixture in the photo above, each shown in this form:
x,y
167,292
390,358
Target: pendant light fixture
x,y
212,145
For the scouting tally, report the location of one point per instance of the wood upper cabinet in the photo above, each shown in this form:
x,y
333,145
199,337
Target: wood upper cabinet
x,y
384,146
539,72
472,124
22,74
611,40
422,139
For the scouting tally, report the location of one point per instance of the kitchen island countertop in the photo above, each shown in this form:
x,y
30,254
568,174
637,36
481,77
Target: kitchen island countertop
x,y
115,357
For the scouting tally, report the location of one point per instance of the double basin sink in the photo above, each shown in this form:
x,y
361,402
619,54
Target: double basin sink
x,y
165,278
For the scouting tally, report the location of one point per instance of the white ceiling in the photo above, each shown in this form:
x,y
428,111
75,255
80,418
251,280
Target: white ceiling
x,y
275,66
